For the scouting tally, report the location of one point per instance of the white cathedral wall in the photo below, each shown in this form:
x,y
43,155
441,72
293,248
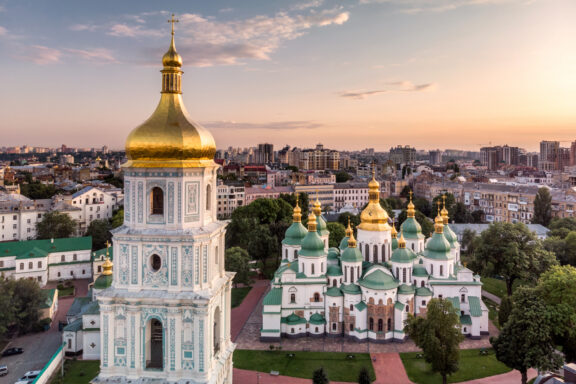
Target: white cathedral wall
x,y
417,245
290,252
91,345
371,238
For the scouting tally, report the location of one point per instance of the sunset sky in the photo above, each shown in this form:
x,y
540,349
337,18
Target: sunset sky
x,y
350,74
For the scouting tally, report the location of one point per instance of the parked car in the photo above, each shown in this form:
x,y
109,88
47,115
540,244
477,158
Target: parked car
x,y
12,351
3,370
28,377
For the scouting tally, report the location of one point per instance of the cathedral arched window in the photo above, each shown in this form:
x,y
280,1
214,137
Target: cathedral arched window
x,y
397,273
316,297
389,324
334,283
403,275
375,253
380,325
292,298
384,253
441,270
208,196
312,268
431,269
367,252
351,275
157,201
351,307
295,254
371,324
422,283
463,298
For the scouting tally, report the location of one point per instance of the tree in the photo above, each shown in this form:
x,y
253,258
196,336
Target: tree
x,y
425,223
513,252
354,219
422,205
505,310
100,232
319,377
36,190
542,207
26,299
342,177
525,341
478,216
557,289
364,376
117,218
7,312
562,227
237,260
303,202
461,214
55,225
405,192
438,335
450,204
337,233
292,168
468,237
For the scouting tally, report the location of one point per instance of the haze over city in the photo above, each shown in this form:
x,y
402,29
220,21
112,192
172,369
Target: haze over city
x,y
349,74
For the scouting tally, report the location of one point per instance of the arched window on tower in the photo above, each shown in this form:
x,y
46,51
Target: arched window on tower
x,y
157,201
403,275
441,270
367,252
380,325
384,253
371,325
389,324
375,258
316,297
208,196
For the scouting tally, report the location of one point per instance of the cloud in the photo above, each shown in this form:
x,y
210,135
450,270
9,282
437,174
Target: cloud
x,y
124,30
3,31
42,55
277,125
84,27
309,4
419,6
226,10
100,55
393,87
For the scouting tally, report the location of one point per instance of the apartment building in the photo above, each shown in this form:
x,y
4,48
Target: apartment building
x,y
229,197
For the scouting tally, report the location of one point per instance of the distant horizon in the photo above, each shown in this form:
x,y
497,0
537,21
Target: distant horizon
x,y
351,74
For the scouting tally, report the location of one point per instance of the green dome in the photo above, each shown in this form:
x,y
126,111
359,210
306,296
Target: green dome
x,y
423,291
351,289
334,270
103,282
406,289
294,319
294,234
403,255
317,319
344,243
312,245
394,244
351,255
437,248
450,236
379,280
419,271
334,292
411,229
321,226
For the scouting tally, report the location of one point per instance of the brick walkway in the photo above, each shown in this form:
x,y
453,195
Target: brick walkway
x,y
389,369
505,378
241,313
242,376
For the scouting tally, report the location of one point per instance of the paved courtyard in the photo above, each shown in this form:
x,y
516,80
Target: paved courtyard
x,y
249,338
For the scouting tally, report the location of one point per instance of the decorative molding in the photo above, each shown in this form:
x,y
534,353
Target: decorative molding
x,y
171,202
150,278
134,264
187,265
140,202
172,344
174,266
127,200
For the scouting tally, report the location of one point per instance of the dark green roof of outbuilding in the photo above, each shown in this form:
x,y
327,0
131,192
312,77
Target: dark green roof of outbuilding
x,y
92,309
437,248
48,296
294,234
351,289
379,280
103,282
455,302
334,292
343,243
312,245
39,248
96,255
475,307
334,270
419,271
465,320
293,319
317,319
74,326
406,289
351,255
403,255
274,297
423,291
411,229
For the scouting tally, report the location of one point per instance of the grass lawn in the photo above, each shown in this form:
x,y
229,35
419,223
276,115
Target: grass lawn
x,y
238,294
493,309
66,292
472,366
78,372
336,365
494,286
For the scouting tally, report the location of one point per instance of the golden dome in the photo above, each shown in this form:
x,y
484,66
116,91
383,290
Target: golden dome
x,y
317,206
410,209
439,224
312,222
352,241
297,214
169,138
394,232
349,231
444,211
374,217
401,241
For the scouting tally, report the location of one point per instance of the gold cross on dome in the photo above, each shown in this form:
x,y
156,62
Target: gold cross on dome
x,y
173,20
410,193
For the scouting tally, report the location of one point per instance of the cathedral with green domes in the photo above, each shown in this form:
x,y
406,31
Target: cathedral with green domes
x,y
365,288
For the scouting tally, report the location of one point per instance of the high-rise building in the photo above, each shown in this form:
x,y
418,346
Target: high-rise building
x,y
549,155
265,154
436,157
403,154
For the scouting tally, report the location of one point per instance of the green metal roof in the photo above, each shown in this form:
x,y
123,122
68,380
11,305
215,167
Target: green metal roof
x,y
450,236
74,326
406,289
351,289
92,309
321,226
39,248
465,320
378,280
403,255
394,244
419,271
103,282
398,305
274,297
48,297
351,255
475,306
437,248
312,245
294,234
334,292
361,306
343,243
411,229
317,319
333,254
96,255
334,270
455,302
293,319
423,291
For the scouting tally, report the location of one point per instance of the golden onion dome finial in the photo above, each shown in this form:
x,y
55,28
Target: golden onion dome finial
x,y
444,211
349,230
312,224
439,222
297,215
352,240
410,209
393,232
374,217
172,58
107,265
317,206
401,240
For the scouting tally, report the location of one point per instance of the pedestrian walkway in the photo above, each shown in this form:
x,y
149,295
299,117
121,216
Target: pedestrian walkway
x,y
242,376
241,313
492,297
505,378
389,369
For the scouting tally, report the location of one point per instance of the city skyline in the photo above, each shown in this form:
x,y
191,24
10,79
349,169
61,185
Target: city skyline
x,y
387,72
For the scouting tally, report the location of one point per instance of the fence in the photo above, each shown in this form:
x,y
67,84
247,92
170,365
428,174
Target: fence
x,y
50,367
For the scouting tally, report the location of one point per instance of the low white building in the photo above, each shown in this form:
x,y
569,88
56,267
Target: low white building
x,y
47,260
94,204
229,197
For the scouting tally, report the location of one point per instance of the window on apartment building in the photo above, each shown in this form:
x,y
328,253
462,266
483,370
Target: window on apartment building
x,y
39,215
28,230
74,257
83,271
39,264
14,226
21,266
1,264
71,273
28,221
59,274
30,265
14,217
63,258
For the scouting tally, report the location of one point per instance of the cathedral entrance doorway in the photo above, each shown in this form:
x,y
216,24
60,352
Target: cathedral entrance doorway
x,y
154,345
